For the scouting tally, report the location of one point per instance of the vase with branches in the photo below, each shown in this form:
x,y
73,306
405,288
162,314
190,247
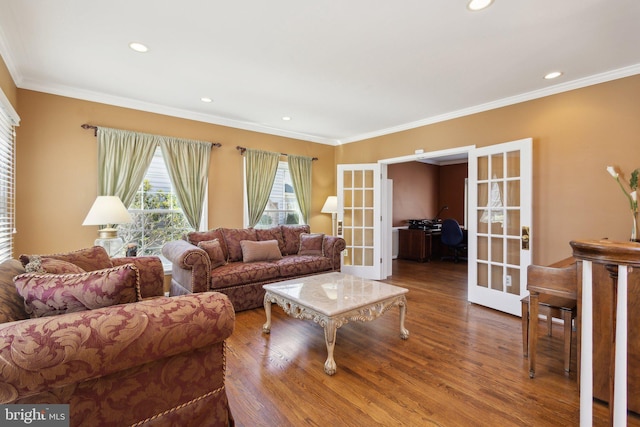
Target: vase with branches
x,y
632,196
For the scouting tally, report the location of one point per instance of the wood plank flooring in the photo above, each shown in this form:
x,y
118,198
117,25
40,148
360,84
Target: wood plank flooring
x,y
461,366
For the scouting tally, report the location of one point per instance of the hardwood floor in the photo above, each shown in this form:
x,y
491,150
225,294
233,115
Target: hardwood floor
x,y
461,366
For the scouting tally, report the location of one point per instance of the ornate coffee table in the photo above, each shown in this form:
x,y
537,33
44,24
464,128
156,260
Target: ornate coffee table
x,y
333,299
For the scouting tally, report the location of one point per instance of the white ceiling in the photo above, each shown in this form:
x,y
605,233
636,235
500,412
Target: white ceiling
x,y
343,70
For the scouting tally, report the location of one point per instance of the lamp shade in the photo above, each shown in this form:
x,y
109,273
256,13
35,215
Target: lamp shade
x,y
331,205
107,210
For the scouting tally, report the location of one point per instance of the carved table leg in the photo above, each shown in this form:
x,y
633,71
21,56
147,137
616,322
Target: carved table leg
x,y
266,328
330,338
404,333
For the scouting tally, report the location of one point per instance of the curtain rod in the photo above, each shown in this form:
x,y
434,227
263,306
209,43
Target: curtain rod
x,y
95,133
243,149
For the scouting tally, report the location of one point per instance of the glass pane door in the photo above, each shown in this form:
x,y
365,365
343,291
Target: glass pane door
x,y
358,206
500,224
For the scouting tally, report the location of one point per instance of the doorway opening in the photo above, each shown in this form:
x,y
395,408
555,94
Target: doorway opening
x,y
416,191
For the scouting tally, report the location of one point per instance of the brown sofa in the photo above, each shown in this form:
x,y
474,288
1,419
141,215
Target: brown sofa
x,y
159,361
242,279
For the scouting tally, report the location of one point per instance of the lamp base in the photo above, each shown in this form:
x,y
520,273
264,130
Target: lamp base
x,y
113,245
108,233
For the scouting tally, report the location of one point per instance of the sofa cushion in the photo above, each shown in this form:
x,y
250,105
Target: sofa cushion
x,y
266,250
196,237
311,244
213,248
233,237
274,233
291,235
51,265
239,273
88,259
300,265
11,303
51,294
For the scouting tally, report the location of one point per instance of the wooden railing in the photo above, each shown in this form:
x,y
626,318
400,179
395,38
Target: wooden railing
x,y
618,257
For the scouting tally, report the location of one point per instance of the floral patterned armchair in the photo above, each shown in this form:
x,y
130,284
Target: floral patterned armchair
x,y
159,361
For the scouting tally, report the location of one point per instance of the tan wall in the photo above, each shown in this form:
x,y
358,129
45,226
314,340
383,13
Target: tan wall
x,y
56,167
420,190
451,191
7,85
575,135
415,191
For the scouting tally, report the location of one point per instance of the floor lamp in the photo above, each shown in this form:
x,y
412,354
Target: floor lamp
x,y
331,206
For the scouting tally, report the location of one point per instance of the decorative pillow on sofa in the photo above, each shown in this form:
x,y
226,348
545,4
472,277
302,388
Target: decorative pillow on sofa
x,y
291,234
11,303
196,237
274,233
51,265
213,248
88,259
311,244
51,294
266,250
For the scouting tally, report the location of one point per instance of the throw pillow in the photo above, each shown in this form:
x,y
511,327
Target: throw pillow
x,y
88,259
51,265
214,250
311,244
51,294
196,237
273,233
233,237
266,250
291,235
11,303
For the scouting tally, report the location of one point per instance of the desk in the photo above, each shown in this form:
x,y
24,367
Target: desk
x,y
418,245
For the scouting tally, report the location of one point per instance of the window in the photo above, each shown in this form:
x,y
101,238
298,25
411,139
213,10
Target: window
x,y
8,119
282,207
157,216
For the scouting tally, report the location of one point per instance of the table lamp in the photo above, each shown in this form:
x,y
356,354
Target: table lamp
x,y
331,206
108,211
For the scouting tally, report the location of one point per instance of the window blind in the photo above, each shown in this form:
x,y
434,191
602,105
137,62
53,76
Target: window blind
x,y
8,121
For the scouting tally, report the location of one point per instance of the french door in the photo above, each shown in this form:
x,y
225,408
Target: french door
x,y
500,234
359,218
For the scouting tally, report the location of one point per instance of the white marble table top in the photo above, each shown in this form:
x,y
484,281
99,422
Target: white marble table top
x,y
334,293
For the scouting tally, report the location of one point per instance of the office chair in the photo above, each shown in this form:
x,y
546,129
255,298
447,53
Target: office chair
x,y
453,238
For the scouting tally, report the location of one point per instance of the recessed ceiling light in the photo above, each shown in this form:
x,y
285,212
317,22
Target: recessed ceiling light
x,y
205,99
553,75
286,118
475,5
138,47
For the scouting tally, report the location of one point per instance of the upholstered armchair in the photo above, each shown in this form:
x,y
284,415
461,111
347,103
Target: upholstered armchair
x,y
158,361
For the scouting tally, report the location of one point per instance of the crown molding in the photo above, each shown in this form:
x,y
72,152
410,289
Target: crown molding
x,y
124,102
528,96
207,118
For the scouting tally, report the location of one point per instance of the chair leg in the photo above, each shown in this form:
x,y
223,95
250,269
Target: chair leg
x,y
533,332
566,319
525,328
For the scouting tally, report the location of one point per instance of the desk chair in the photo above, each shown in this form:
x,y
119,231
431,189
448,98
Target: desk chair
x,y
452,237
555,286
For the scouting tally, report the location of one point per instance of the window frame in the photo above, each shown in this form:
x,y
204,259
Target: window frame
x,y
282,165
173,210
9,119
